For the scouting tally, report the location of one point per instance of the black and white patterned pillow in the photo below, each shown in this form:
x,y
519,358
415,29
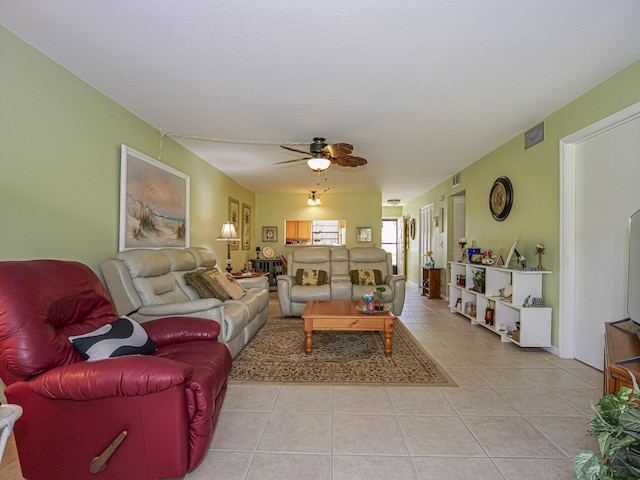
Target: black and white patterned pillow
x,y
121,337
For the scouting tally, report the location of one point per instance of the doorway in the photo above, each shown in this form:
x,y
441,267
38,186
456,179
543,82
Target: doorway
x,y
426,233
393,242
599,171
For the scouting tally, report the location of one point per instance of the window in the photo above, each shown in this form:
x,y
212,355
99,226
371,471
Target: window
x,y
390,238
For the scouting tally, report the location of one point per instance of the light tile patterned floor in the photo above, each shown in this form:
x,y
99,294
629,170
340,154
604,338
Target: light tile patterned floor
x,y
518,414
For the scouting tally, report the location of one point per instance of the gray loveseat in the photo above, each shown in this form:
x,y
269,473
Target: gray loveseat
x,y
146,284
338,263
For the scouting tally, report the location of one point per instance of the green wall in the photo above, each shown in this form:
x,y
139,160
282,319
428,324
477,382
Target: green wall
x,y
535,175
60,165
358,210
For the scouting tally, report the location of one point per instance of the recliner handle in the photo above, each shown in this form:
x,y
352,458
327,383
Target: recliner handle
x,y
100,462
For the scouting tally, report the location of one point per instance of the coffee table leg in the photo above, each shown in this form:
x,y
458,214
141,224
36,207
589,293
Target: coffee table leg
x,y
388,337
308,336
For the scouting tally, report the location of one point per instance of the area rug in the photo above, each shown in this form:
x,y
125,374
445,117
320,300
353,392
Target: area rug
x,y
276,355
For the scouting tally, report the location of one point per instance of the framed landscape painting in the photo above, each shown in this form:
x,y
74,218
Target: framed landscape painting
x,y
154,203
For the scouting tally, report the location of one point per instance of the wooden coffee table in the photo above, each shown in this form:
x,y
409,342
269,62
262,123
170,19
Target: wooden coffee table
x,y
341,315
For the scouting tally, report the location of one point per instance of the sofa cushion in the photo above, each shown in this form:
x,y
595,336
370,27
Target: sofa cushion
x,y
366,277
230,286
303,293
310,277
121,337
204,282
159,290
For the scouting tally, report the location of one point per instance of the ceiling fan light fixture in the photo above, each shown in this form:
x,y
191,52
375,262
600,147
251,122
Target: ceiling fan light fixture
x,y
318,164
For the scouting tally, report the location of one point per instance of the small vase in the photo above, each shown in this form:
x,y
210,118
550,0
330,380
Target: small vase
x,y
369,302
540,267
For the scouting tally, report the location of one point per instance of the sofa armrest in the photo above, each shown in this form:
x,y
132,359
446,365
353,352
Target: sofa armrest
x,y
285,283
170,330
391,280
115,377
255,282
181,308
287,280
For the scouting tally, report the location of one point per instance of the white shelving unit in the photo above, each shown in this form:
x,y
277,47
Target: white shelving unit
x,y
535,322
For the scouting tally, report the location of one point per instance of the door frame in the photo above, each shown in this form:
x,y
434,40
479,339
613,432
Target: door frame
x,y
566,310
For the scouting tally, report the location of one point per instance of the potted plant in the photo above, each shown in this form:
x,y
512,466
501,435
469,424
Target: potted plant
x,y
478,280
617,428
378,298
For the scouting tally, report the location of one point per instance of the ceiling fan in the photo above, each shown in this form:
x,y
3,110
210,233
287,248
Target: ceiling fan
x,y
321,156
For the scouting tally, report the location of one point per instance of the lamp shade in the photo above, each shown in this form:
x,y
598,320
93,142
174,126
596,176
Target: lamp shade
x,y
317,164
228,233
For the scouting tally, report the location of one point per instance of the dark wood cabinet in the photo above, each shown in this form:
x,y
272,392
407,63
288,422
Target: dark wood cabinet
x,y
621,355
271,265
431,282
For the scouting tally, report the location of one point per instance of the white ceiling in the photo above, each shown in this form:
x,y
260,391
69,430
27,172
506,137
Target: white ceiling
x,y
421,88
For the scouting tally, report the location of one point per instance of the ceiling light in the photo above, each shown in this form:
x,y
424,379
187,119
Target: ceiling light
x,y
317,164
314,199
393,201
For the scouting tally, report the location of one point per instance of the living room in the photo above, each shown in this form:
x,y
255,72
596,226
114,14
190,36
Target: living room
x,y
60,179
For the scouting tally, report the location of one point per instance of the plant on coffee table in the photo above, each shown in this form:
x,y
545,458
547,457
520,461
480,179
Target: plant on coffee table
x,y
378,298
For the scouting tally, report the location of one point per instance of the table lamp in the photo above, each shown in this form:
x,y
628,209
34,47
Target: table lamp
x,y
228,234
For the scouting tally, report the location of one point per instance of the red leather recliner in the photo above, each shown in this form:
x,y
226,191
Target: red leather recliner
x,y
167,402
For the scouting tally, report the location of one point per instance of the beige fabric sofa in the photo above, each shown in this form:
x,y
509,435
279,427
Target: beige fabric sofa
x,y
338,262
146,284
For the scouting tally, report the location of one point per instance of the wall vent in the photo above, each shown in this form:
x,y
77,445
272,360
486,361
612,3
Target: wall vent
x,y
455,181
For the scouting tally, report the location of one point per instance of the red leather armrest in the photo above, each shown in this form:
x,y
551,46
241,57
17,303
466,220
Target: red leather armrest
x,y
115,377
169,330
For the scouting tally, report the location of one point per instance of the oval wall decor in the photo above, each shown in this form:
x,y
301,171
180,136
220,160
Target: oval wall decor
x,y
501,198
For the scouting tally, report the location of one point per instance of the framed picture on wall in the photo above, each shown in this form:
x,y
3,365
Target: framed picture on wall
x,y
363,234
245,239
154,203
234,217
269,234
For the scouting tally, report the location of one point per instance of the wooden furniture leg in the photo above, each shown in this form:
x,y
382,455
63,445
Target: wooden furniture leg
x,y
388,336
308,335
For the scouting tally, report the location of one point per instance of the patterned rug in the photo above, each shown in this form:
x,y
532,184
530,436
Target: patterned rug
x,y
276,355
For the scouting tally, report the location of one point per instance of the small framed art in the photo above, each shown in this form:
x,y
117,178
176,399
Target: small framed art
x,y
363,234
269,234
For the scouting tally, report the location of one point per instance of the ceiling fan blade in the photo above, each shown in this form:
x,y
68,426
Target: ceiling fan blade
x,y
337,150
292,161
295,150
350,161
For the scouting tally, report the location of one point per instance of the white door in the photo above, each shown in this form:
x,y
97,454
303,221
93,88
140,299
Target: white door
x,y
459,222
426,232
607,192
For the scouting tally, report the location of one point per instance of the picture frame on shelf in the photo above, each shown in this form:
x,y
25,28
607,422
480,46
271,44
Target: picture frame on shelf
x,y
511,252
270,234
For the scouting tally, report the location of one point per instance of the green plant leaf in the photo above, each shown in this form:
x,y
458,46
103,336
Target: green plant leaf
x,y
630,422
587,465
